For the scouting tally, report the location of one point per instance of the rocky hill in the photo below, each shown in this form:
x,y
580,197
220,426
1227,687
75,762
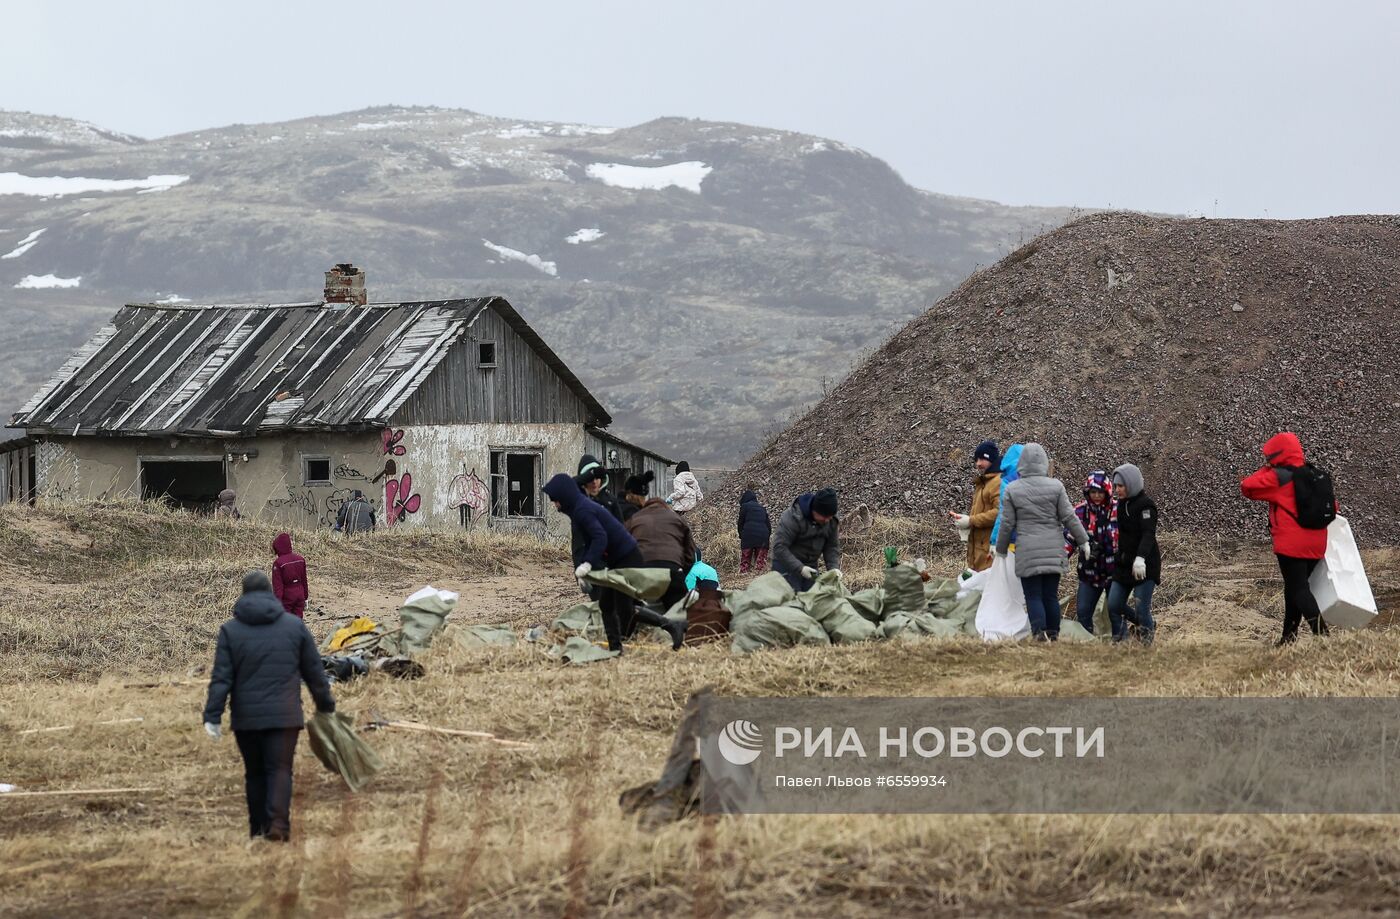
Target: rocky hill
x,y
706,279
1177,344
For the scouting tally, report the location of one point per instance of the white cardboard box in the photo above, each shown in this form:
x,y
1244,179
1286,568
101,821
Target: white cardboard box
x,y
1339,581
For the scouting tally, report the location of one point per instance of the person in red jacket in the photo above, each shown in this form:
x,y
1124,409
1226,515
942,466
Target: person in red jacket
x,y
289,576
1297,547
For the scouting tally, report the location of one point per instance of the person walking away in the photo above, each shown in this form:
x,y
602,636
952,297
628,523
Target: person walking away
x,y
977,523
662,535
1098,513
289,576
755,533
355,515
593,479
1036,508
685,490
1298,518
808,534
227,506
606,544
262,657
1137,568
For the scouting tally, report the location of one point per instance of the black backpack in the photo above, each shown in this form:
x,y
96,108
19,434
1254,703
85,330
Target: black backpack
x,y
1312,491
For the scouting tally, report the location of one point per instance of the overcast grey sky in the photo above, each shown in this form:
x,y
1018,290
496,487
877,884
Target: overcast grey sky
x,y
1259,108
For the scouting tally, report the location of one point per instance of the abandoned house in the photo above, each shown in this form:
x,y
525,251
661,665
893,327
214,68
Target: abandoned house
x,y
444,412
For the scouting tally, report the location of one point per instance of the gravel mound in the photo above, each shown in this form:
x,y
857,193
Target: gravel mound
x,y
1177,344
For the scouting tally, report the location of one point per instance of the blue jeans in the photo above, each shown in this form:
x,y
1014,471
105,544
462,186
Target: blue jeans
x,y
1084,603
1118,610
1043,605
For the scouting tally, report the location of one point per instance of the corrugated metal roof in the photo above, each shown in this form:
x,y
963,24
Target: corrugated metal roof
x,y
241,369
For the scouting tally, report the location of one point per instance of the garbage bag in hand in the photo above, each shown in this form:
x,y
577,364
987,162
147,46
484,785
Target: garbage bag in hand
x,y
339,748
637,583
1339,581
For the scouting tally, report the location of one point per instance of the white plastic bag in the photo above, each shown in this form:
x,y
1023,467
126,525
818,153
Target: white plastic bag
x,y
1002,613
976,581
1339,582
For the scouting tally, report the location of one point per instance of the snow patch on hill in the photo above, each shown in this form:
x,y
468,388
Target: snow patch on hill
x,y
25,244
515,255
45,281
14,183
585,235
687,176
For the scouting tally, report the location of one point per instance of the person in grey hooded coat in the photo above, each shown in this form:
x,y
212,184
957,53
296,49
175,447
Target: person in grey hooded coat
x,y
1037,509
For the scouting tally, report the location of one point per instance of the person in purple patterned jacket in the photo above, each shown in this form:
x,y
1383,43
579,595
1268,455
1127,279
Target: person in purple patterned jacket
x,y
1099,514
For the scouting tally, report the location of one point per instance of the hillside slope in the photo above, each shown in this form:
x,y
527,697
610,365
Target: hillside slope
x,y
705,278
1180,345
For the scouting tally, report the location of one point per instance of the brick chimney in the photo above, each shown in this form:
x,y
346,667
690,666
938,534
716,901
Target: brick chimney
x,y
346,284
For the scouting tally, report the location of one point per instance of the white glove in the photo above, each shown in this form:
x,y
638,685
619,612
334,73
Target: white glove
x,y
582,571
213,730
808,573
837,572
962,521
1086,551
1139,569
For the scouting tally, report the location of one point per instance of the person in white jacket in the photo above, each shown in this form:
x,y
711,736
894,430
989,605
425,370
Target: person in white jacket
x,y
685,491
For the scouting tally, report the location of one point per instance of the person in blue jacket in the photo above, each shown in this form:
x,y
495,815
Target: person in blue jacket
x,y
606,544
1009,460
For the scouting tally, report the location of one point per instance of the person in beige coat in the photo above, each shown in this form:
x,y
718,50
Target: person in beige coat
x,y
986,502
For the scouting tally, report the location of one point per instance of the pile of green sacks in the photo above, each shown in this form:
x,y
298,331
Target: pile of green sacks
x,y
770,615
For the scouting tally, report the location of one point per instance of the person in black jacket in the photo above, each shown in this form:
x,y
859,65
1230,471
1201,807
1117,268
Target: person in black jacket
x,y
606,544
262,657
593,479
755,533
1137,568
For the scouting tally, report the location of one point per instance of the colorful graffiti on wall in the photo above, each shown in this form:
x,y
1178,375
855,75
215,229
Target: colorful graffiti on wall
x,y
400,499
469,496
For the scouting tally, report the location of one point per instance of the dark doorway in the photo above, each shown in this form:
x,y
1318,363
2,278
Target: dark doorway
x,y
191,484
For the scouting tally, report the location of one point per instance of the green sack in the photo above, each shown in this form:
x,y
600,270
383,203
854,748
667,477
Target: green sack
x,y
938,590
473,637
827,603
579,650
585,619
1071,630
637,583
766,591
904,590
1103,625
775,627
908,626
423,616
870,603
962,612
336,745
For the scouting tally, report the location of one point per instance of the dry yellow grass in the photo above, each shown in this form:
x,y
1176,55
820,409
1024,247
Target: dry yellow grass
x,y
458,827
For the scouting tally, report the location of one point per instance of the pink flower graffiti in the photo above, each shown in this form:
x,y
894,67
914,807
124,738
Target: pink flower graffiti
x,y
391,439
399,499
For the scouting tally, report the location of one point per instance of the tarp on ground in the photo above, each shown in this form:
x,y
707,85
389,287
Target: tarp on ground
x,y
637,583
775,627
339,748
473,637
424,614
579,650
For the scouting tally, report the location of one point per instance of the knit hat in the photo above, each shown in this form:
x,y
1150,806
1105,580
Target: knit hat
x,y
987,450
824,502
639,484
589,469
682,466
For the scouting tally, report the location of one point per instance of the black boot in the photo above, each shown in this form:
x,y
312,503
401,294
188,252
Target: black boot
x,y
674,628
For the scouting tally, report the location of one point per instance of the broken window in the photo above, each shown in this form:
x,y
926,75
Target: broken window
x,y
515,482
316,470
486,354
